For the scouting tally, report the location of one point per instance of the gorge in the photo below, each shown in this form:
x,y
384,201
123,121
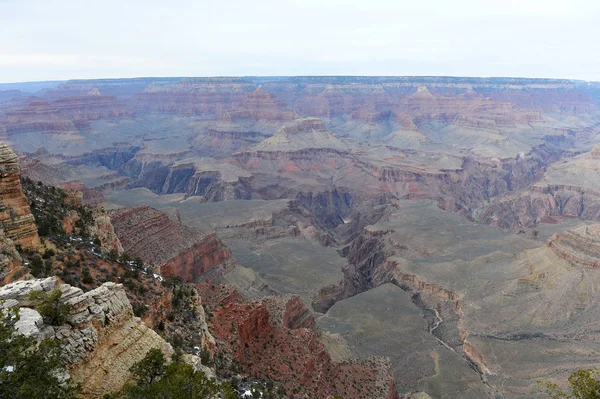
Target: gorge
x,y
384,237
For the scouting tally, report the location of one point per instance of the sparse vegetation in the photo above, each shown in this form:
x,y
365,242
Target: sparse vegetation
x,y
157,379
583,384
52,309
29,369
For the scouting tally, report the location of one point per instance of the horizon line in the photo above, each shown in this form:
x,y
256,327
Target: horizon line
x,y
294,76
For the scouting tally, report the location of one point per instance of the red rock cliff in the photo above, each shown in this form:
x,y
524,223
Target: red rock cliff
x,y
15,215
179,250
260,335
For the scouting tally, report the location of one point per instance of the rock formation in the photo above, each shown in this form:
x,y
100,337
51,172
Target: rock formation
x,y
274,338
15,216
262,105
178,250
580,246
104,230
101,339
303,134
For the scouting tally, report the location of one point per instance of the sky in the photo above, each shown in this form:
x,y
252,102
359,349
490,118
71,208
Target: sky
x,y
68,39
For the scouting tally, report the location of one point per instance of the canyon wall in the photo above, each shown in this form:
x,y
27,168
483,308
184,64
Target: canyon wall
x,y
177,249
275,338
580,246
15,216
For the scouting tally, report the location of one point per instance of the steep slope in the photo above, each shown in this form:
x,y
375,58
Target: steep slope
x,y
15,216
101,339
275,338
177,249
303,135
580,246
568,189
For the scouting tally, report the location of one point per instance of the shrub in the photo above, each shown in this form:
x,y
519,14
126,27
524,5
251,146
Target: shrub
x,y
155,379
150,368
87,277
29,369
584,384
53,311
139,309
37,266
48,253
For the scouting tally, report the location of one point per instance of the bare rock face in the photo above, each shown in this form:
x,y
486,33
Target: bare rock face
x,y
261,104
303,134
15,215
580,246
101,339
274,338
178,250
105,231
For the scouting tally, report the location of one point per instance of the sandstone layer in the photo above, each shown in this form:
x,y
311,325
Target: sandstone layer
x,y
274,338
11,265
178,250
101,340
579,246
16,218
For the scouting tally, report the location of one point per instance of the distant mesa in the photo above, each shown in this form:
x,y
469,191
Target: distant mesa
x,y
302,134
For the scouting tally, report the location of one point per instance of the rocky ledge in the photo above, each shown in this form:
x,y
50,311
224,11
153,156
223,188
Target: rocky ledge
x,y
275,338
580,246
15,215
101,339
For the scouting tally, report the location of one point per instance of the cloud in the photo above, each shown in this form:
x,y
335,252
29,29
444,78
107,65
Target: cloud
x,y
73,39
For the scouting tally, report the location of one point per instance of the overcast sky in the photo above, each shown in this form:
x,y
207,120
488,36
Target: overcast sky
x,y
64,39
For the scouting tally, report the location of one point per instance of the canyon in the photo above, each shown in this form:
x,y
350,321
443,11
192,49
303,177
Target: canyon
x,y
378,237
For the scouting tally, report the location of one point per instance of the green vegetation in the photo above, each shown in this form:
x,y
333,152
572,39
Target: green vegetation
x,y
29,369
50,306
87,277
176,380
49,206
37,266
584,384
150,368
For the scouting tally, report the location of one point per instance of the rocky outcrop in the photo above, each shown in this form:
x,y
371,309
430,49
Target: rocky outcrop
x,y
262,105
104,230
273,339
68,222
540,204
101,339
224,139
15,216
178,250
303,134
191,263
580,246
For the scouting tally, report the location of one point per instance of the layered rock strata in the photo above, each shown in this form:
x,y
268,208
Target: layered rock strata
x,y
580,246
178,250
10,260
274,338
15,216
101,339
